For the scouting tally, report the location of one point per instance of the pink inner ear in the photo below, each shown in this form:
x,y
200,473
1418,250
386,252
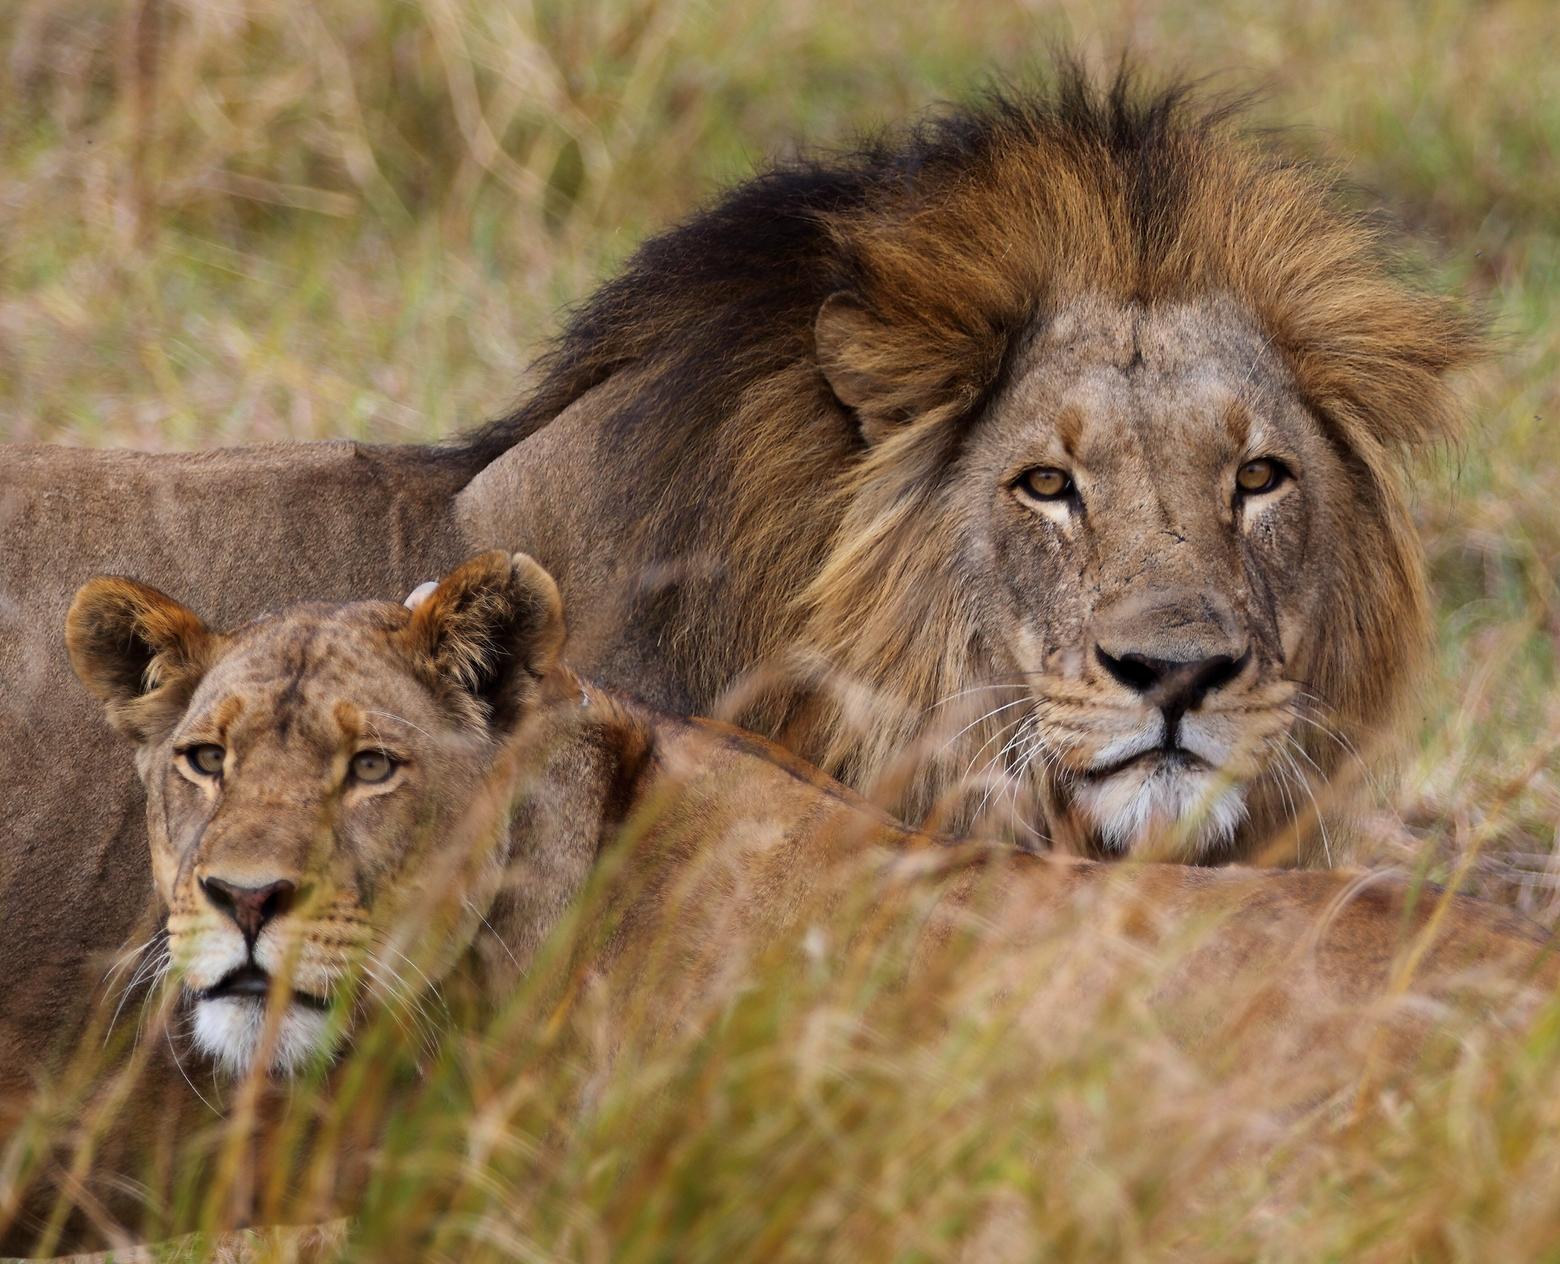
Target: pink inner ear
x,y
420,594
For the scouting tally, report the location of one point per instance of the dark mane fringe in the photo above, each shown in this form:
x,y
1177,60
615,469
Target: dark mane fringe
x,y
728,296
732,290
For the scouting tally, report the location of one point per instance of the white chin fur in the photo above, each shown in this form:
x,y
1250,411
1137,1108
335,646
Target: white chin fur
x,y
1197,811
229,1030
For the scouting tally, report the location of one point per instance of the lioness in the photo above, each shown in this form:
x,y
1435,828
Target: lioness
x,y
370,789
1041,469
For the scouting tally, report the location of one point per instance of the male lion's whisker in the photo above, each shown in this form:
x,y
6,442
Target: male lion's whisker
x,y
1341,740
1305,785
995,711
973,689
1281,779
1004,758
1034,745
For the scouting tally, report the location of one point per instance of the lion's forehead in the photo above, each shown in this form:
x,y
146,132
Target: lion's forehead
x,y
321,672
1102,329
1111,384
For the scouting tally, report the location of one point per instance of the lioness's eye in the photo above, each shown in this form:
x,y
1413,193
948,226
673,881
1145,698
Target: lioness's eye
x,y
370,766
1045,483
206,759
1261,475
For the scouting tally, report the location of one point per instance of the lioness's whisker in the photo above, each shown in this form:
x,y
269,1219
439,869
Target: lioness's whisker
x,y
155,987
158,964
399,992
467,901
174,1049
399,719
432,987
392,1001
412,997
130,954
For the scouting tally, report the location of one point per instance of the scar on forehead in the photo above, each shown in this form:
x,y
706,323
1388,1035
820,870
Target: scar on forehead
x,y
350,720
1069,427
1237,421
228,710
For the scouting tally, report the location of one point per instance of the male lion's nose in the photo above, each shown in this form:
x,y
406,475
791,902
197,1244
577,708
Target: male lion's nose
x,y
1175,686
250,907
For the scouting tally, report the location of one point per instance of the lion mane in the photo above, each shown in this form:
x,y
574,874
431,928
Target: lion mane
x,y
955,237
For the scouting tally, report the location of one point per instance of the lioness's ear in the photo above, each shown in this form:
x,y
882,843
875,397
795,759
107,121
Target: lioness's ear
x,y
138,650
491,630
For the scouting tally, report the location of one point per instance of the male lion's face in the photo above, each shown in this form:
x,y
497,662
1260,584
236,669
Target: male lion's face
x,y
319,808
1147,497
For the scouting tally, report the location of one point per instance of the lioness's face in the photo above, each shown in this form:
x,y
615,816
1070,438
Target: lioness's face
x,y
320,809
1149,508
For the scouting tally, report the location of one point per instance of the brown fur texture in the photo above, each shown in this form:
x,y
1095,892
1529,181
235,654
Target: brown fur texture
x,y
779,404
718,845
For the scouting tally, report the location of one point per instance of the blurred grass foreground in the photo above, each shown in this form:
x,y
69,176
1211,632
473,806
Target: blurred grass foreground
x,y
249,220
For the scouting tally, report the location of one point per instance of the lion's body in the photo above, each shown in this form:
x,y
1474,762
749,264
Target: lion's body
x,y
738,846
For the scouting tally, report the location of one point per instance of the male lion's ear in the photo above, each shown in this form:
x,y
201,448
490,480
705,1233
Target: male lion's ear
x,y
849,342
139,651
491,629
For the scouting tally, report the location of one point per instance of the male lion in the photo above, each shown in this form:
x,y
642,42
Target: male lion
x,y
1047,460
1040,470
328,790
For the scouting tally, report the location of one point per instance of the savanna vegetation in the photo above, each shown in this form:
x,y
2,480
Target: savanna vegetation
x,y
267,219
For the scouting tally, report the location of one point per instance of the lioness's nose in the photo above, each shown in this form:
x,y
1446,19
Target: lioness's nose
x,y
250,907
1175,686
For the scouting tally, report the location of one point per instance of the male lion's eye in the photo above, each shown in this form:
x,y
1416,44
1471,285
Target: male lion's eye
x,y
1261,475
1045,483
372,766
206,759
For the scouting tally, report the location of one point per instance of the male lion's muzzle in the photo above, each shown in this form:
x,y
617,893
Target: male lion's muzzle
x,y
1186,728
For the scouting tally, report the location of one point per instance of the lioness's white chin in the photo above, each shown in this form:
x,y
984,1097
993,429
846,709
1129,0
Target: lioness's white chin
x,y
231,1029
1176,812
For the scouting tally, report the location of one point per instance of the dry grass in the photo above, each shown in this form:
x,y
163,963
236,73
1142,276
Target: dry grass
x,y
262,219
